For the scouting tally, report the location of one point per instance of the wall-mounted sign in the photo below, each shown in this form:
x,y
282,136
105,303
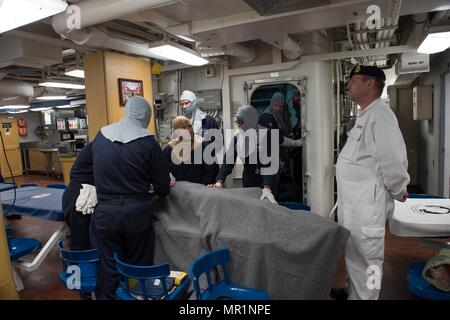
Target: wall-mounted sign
x,y
21,123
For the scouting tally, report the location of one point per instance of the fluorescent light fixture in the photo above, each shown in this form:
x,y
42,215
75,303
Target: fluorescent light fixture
x,y
61,84
75,72
18,111
76,103
66,106
169,50
51,98
185,38
16,13
42,109
437,40
15,107
9,98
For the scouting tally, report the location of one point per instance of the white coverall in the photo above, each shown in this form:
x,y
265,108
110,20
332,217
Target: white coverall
x,y
371,172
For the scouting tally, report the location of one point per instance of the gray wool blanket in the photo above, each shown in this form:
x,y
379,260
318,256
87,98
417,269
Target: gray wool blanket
x,y
290,254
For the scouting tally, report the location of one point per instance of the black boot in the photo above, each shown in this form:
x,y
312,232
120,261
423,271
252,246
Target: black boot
x,y
339,293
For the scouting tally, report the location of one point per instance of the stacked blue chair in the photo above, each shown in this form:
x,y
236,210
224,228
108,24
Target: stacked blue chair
x,y
295,206
148,282
19,247
221,289
82,261
57,186
417,284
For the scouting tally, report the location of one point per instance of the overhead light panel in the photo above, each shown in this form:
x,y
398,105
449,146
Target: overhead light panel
x,y
42,109
169,50
77,72
15,107
16,13
18,111
61,84
437,40
66,106
185,38
51,98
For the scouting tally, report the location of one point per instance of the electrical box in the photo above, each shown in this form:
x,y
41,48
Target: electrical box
x,y
422,103
209,100
210,72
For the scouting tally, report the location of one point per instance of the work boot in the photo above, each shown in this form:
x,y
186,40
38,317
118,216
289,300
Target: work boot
x,y
339,293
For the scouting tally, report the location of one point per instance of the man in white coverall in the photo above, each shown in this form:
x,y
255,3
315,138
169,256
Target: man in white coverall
x,y
371,172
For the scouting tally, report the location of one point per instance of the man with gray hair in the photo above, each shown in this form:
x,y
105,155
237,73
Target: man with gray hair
x,y
371,171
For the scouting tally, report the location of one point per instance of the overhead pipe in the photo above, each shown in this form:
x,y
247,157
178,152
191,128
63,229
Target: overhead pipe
x,y
99,11
98,37
246,53
290,48
419,21
439,16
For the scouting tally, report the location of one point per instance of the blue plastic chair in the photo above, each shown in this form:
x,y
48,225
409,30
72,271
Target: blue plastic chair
x,y
19,247
423,196
86,260
421,287
150,282
295,206
31,184
222,289
57,186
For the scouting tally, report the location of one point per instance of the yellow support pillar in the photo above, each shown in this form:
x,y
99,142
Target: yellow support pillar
x,y
8,289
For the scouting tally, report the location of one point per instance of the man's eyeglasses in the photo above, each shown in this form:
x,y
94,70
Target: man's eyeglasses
x,y
239,122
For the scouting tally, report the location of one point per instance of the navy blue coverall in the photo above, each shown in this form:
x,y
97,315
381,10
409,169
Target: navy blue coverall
x,y
196,173
122,220
81,172
251,176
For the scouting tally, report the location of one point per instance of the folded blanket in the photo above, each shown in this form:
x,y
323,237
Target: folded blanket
x,y
437,270
290,254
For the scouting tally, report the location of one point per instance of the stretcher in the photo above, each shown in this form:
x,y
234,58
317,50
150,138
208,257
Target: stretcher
x,y
423,218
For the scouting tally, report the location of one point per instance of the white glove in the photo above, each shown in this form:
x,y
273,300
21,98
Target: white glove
x,y
287,142
267,194
218,185
172,180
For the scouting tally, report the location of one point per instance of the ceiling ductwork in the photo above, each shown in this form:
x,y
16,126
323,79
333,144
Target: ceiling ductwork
x,y
27,53
99,11
246,53
290,48
15,88
14,92
99,37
